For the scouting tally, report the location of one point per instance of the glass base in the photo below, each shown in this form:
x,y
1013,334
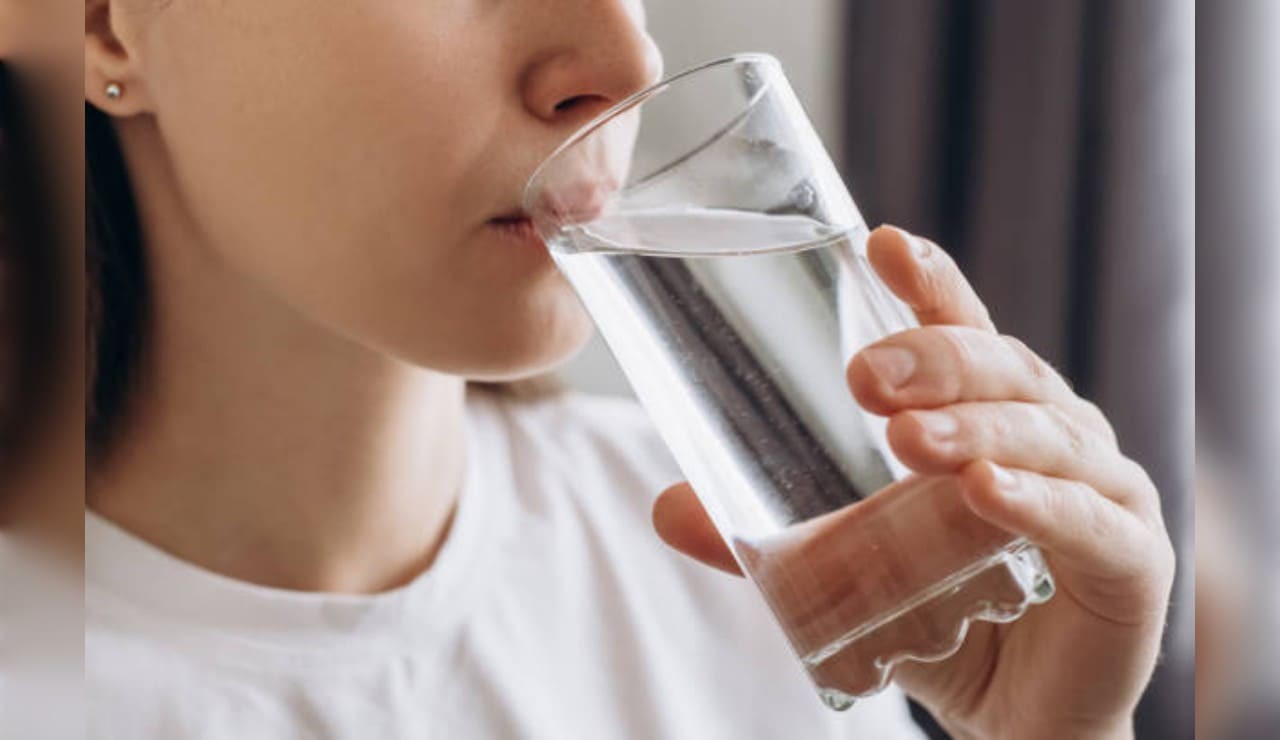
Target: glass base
x,y
930,627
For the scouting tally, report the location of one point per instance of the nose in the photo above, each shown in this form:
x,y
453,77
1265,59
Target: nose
x,y
605,56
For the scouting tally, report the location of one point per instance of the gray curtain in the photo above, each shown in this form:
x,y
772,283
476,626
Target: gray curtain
x,y
1049,146
1238,320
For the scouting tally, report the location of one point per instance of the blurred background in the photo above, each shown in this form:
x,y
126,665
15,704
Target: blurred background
x,y
1050,148
41,335
1237,356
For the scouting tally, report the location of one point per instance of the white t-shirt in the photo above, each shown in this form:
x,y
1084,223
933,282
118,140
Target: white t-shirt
x,y
41,658
552,611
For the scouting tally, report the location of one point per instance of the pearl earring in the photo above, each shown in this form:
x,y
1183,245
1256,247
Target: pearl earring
x,y
114,91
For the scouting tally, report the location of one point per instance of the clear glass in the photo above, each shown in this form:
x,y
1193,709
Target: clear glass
x,y
707,232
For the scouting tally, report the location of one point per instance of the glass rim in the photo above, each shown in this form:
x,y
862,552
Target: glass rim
x,y
638,98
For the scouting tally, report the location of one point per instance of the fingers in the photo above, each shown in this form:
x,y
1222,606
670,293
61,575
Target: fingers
x,y
1130,567
926,279
683,524
1029,436
939,365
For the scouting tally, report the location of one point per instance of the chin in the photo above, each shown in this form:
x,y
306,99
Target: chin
x,y
523,349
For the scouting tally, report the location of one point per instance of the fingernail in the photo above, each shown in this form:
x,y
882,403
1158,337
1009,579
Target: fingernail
x,y
892,366
938,425
919,247
1007,482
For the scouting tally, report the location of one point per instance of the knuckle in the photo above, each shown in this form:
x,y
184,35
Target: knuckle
x,y
1003,429
953,345
1146,495
1168,559
1040,372
1047,502
1095,520
1154,576
1098,420
959,361
1076,444
1062,506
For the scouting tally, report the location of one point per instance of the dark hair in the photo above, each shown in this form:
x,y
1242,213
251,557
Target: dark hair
x,y
116,303
10,282
31,306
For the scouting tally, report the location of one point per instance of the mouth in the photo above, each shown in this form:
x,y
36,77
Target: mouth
x,y
576,202
516,226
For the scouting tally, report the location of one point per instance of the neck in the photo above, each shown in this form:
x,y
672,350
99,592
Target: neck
x,y
266,447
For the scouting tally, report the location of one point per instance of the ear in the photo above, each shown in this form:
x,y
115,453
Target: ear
x,y
110,58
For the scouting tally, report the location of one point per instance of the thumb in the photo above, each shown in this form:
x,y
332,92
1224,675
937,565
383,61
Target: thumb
x,y
683,524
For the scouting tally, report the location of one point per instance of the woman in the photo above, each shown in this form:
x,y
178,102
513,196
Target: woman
x,y
306,523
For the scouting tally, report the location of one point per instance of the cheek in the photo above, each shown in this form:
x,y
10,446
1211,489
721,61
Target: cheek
x,y
324,152
316,126
356,192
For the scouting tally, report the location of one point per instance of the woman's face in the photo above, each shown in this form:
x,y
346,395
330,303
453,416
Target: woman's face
x,y
358,158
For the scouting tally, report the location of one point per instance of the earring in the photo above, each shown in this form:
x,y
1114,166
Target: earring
x,y
114,91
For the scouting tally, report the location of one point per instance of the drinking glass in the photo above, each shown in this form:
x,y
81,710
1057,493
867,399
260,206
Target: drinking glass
x,y
708,234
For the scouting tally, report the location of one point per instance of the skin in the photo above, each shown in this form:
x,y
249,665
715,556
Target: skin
x,y
317,184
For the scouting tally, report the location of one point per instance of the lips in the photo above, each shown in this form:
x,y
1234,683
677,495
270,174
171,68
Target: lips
x,y
516,226
583,179
573,203
566,204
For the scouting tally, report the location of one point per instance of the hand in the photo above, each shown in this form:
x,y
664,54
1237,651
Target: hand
x,y
1033,459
